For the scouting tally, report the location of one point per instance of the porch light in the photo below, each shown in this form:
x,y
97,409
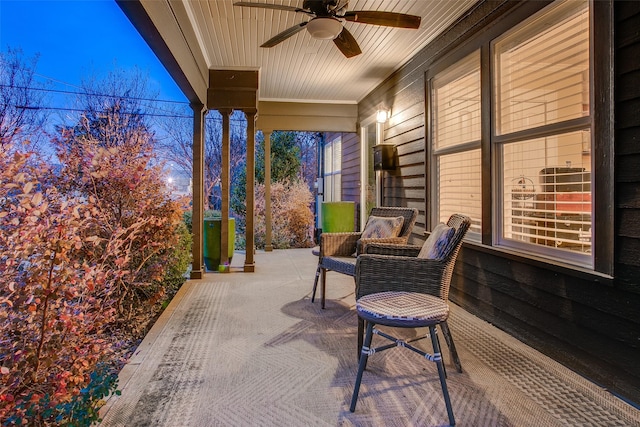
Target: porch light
x,y
383,115
324,28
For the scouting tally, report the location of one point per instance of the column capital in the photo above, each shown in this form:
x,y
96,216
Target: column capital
x,y
197,107
250,111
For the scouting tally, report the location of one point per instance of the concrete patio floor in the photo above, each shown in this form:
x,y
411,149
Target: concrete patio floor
x,y
250,349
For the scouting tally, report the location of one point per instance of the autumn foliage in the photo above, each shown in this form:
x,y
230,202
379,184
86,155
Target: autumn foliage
x,y
292,219
111,161
84,249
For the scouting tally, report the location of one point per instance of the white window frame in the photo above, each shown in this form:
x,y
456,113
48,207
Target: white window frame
x,y
332,170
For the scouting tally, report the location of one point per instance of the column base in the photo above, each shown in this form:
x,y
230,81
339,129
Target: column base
x,y
196,274
249,268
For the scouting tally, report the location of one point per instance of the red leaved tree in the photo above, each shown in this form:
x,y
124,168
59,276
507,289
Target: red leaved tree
x,y
83,252
109,159
55,301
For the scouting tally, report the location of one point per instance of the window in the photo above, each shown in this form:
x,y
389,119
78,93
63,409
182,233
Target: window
x,y
543,133
332,170
528,131
456,135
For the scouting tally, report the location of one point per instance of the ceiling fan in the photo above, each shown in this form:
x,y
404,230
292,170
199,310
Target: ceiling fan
x,y
327,22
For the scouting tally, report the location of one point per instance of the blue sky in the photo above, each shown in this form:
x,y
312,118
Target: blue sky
x,y
78,39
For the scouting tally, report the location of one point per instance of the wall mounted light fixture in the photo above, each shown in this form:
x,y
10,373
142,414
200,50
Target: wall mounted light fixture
x,y
383,115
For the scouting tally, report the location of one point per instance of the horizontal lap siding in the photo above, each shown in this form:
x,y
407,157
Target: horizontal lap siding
x,y
589,323
351,170
405,130
627,137
405,185
627,174
590,326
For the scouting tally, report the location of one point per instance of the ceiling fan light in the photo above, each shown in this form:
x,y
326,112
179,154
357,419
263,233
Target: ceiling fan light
x,y
324,28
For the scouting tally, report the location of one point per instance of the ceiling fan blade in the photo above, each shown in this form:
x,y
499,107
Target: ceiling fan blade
x,y
387,19
279,38
269,6
347,44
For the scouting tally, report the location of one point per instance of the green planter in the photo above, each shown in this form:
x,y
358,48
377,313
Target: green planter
x,y
338,217
213,242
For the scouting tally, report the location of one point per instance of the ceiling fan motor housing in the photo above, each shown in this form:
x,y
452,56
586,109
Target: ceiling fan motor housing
x,y
320,7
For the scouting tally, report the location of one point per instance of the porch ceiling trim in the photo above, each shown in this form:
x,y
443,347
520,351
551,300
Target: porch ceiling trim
x,y
306,116
159,23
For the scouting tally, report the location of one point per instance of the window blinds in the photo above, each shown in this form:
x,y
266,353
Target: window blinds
x,y
543,70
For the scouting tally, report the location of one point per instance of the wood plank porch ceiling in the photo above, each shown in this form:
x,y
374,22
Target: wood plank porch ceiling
x,y
303,69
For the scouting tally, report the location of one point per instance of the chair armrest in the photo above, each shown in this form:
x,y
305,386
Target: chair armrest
x,y
363,243
396,250
380,273
338,244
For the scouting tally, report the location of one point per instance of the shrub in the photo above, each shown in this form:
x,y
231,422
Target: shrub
x,y
88,256
292,219
188,217
55,304
178,261
119,173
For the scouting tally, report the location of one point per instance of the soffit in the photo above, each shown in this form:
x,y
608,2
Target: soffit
x,y
302,69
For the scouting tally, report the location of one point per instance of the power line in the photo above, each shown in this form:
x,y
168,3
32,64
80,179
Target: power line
x,y
79,110
56,80
133,98
66,92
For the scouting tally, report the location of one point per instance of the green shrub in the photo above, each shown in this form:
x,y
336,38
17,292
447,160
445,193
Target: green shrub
x,y
84,408
178,261
188,217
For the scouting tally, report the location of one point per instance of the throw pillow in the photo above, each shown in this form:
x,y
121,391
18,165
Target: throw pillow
x,y
436,244
379,227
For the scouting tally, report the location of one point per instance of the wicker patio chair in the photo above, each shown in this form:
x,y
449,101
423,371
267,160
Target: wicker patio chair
x,y
395,287
336,251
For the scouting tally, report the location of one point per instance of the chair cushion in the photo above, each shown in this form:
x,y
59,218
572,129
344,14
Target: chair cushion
x,y
380,227
344,265
402,309
436,244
